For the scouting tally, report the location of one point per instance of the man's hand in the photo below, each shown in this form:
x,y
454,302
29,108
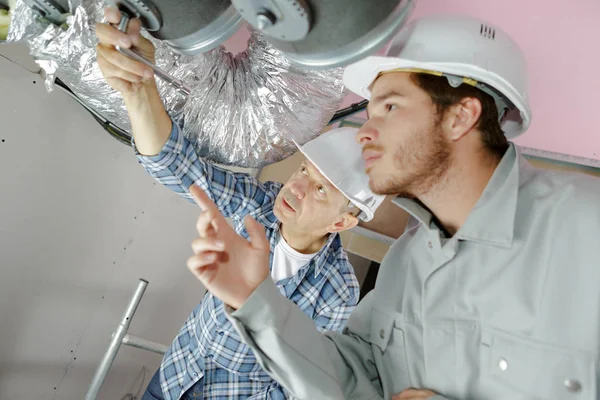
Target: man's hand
x,y
150,123
414,394
228,265
122,73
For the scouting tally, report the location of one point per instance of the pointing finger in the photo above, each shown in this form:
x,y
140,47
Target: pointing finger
x,y
202,199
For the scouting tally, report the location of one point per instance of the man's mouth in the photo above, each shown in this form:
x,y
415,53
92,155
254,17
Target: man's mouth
x,y
287,205
370,157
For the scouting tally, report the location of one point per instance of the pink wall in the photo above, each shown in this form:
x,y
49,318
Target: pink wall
x,y
238,42
561,40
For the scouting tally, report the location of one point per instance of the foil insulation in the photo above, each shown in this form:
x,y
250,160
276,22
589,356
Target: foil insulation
x,y
243,110
25,23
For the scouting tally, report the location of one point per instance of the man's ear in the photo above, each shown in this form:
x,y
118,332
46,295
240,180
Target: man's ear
x,y
461,118
345,222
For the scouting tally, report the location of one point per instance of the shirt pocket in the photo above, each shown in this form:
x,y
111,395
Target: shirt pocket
x,y
541,371
389,350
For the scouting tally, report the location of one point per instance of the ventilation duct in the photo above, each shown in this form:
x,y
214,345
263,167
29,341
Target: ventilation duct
x,y
310,33
243,110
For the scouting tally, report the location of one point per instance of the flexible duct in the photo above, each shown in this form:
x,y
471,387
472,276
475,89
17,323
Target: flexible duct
x,y
244,110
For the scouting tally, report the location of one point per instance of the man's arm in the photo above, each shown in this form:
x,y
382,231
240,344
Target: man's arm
x,y
328,320
178,166
337,300
285,341
163,150
309,364
150,122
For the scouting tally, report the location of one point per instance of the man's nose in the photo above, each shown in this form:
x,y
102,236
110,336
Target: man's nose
x,y
366,134
298,188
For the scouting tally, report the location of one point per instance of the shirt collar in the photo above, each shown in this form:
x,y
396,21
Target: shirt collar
x,y
319,259
493,217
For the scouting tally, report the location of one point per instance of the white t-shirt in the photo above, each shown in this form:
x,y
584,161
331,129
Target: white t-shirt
x,y
286,260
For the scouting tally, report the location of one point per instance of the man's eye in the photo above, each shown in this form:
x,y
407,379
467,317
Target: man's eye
x,y
303,170
321,189
390,107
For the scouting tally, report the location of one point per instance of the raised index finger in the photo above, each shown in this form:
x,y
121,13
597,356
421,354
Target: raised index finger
x,y
202,199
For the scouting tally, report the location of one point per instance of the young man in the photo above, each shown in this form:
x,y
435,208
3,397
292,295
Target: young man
x,y
493,294
327,195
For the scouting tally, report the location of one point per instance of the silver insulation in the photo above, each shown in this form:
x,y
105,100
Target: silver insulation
x,y
24,23
244,110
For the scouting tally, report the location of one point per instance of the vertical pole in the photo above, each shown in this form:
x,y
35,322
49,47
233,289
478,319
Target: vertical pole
x,y
115,342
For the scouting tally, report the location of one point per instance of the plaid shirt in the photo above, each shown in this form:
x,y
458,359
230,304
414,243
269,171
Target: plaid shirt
x,y
208,355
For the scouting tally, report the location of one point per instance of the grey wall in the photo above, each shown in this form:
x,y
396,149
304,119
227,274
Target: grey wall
x,y
80,222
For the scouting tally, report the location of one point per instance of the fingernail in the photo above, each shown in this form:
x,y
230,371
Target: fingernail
x,y
125,42
148,74
220,244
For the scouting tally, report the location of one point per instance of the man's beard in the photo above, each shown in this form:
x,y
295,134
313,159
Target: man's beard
x,y
416,173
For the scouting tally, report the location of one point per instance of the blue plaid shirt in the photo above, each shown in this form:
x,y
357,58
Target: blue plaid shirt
x,y
208,357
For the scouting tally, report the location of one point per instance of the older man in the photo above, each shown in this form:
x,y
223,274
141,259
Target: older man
x,y
326,195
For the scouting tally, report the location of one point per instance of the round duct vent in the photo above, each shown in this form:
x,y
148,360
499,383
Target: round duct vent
x,y
188,26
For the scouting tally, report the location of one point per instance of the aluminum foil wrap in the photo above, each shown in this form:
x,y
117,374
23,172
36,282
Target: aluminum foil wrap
x,y
70,54
243,110
24,23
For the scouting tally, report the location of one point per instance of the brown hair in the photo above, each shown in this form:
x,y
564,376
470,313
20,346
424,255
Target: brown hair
x,y
444,96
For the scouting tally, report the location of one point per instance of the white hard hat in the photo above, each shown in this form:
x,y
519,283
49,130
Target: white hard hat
x,y
465,50
338,156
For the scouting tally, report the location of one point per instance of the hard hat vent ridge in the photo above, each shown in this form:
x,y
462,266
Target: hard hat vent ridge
x,y
487,32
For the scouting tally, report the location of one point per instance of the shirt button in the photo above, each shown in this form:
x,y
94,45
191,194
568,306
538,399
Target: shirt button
x,y
573,385
382,333
221,333
503,364
210,356
430,245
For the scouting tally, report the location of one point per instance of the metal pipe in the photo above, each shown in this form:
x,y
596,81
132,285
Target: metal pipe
x,y
115,343
144,344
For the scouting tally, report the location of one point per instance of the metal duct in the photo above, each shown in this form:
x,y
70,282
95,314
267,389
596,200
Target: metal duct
x,y
341,31
188,26
308,32
243,110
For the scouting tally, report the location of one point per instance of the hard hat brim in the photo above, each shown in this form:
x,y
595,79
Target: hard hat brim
x,y
360,76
